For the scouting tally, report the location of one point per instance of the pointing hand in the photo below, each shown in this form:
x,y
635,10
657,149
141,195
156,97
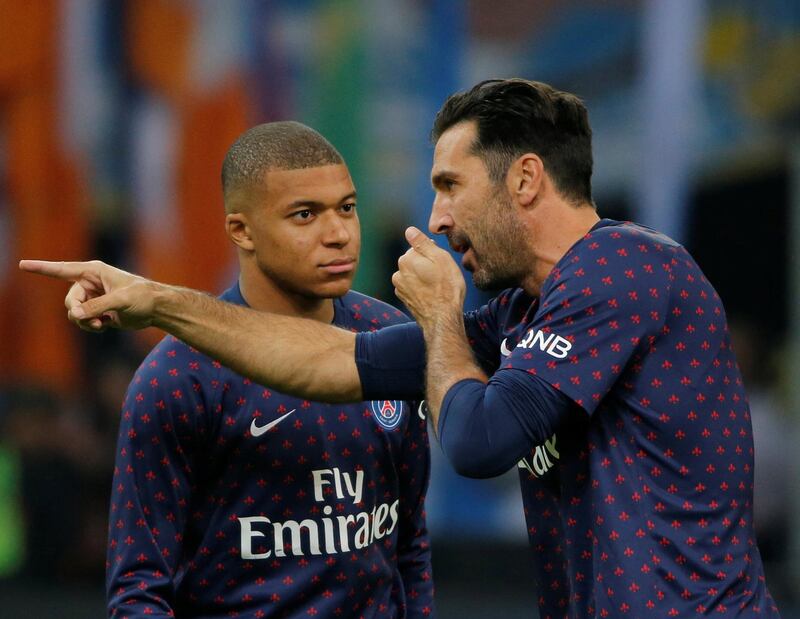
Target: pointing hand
x,y
101,296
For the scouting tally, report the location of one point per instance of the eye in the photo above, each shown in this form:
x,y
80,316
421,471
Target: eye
x,y
350,207
303,215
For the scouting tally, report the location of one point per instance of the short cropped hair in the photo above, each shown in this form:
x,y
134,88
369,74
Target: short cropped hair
x,y
285,145
517,116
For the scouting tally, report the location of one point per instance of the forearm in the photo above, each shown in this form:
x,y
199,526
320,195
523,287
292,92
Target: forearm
x,y
449,359
145,539
417,575
485,429
297,356
129,597
413,543
139,571
414,561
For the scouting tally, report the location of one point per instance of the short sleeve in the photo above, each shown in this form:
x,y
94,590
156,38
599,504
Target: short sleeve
x,y
603,307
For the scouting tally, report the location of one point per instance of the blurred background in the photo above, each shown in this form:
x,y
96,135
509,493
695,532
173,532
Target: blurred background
x,y
114,119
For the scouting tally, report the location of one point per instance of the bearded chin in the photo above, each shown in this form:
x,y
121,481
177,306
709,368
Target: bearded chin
x,y
487,278
482,280
506,266
501,251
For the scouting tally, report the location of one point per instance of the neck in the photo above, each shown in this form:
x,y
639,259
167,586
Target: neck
x,y
262,294
554,228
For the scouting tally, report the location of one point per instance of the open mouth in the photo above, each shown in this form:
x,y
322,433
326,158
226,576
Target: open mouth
x,y
459,245
467,261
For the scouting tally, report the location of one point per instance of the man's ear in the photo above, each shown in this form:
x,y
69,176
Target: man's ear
x,y
238,230
525,179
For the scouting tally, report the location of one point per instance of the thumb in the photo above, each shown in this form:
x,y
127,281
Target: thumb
x,y
96,307
421,243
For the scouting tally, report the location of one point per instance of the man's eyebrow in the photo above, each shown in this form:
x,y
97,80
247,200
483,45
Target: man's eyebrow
x,y
317,203
308,203
438,178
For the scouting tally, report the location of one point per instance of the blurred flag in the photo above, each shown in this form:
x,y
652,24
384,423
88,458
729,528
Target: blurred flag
x,y
187,61
44,195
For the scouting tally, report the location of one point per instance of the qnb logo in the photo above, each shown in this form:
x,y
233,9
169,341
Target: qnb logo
x,y
542,459
554,345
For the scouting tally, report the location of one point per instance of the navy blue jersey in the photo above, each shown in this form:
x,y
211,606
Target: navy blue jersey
x,y
232,500
640,504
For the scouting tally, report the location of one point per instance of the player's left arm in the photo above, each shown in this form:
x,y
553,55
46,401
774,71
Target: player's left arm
x,y
485,426
429,282
493,423
413,542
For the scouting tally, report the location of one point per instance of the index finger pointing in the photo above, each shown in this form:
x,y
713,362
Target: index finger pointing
x,y
61,270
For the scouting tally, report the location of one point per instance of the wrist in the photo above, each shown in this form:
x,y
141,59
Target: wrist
x,y
165,306
443,322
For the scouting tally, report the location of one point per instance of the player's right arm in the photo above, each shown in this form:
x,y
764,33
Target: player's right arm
x,y
160,428
301,357
294,355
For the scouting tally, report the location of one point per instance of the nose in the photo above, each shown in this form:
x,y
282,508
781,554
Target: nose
x,y
440,220
336,232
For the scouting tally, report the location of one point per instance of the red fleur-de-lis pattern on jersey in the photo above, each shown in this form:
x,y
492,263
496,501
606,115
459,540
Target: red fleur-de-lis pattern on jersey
x,y
643,504
188,470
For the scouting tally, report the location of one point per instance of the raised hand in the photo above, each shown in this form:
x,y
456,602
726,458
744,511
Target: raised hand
x,y
101,296
428,280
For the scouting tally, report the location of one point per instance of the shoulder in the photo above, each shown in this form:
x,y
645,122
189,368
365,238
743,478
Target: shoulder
x,y
172,360
361,312
622,239
613,253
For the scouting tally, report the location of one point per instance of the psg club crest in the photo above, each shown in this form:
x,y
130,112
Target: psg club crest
x,y
387,412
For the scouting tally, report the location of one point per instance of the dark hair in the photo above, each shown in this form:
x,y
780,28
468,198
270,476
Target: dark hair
x,y
516,116
285,145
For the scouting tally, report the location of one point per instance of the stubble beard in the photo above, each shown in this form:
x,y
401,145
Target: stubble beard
x,y
503,255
